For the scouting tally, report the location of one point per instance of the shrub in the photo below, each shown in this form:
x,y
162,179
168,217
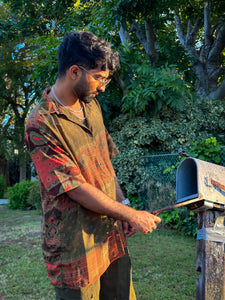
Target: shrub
x,y
151,89
34,197
181,219
157,194
2,185
166,132
18,194
209,150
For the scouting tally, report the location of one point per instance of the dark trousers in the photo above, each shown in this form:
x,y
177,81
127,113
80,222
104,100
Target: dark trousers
x,y
114,284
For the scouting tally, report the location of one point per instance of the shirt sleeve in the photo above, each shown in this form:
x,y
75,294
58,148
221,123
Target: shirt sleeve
x,y
56,170
113,150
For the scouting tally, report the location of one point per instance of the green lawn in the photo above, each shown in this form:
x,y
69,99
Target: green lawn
x,y
163,262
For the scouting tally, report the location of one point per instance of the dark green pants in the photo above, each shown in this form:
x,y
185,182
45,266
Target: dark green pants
x,y
114,284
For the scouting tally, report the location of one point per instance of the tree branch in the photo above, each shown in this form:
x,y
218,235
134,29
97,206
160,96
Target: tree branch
x,y
180,30
150,41
207,25
188,41
124,35
218,45
136,28
220,92
188,31
13,104
196,28
120,83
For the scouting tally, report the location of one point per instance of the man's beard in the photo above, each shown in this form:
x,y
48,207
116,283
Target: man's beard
x,y
86,99
82,93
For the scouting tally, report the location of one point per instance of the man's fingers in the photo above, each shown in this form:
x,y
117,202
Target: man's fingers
x,y
125,228
156,219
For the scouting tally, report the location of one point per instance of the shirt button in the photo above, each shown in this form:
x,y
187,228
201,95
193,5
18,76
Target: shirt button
x,y
110,192
101,164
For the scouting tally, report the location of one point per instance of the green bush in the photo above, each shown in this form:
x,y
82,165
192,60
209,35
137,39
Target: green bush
x,y
2,186
19,193
181,219
166,132
34,197
151,89
209,150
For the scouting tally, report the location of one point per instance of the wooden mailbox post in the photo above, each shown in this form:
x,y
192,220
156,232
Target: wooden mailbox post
x,y
210,259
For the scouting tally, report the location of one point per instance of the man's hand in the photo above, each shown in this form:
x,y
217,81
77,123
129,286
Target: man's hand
x,y
127,229
96,201
144,222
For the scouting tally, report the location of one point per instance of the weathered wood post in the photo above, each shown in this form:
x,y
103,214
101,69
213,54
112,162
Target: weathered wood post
x,y
201,187
210,256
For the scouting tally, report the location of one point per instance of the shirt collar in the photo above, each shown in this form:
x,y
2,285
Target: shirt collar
x,y
54,107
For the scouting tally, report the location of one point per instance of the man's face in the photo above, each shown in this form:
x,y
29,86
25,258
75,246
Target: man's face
x,y
90,84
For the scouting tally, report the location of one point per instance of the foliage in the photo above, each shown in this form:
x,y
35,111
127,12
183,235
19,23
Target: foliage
x,y
137,203
19,193
144,32
156,193
3,185
188,34
166,132
208,150
151,89
17,89
181,219
34,198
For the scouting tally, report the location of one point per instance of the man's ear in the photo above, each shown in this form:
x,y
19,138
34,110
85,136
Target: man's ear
x,y
74,72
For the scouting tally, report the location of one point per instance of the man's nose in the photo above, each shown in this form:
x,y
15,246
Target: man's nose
x,y
101,88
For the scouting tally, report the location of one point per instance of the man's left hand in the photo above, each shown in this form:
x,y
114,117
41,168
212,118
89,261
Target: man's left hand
x,y
127,229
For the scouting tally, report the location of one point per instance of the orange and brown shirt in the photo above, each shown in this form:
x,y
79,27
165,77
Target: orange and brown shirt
x,y
78,244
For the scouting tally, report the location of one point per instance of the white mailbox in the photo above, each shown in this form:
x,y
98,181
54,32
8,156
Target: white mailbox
x,y
200,180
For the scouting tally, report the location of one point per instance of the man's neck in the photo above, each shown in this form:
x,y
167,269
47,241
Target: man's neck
x,y
63,93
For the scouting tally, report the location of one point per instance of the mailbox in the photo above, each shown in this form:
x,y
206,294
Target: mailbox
x,y
198,180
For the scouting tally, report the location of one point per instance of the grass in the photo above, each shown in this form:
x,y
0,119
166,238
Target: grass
x,y
163,262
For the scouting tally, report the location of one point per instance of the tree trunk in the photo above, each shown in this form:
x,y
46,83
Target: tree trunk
x,y
4,169
19,132
147,39
23,166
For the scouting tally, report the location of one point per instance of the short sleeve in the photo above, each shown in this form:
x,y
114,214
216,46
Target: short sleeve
x,y
113,150
56,170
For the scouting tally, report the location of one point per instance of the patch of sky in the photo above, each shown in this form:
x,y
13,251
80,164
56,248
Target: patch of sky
x,y
17,48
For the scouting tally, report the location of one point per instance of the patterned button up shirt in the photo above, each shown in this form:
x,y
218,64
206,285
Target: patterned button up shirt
x,y
78,244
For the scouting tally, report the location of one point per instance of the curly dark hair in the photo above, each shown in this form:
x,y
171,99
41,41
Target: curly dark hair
x,y
83,48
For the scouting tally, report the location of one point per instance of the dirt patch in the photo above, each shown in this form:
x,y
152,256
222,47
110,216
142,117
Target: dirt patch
x,y
33,234
25,241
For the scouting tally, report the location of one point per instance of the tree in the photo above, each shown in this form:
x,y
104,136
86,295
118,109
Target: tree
x,y
153,38
20,23
201,31
151,29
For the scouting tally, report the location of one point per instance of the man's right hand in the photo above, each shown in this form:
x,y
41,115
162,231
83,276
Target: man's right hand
x,y
143,221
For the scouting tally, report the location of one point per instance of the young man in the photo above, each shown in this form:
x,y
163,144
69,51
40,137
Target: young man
x,y
85,216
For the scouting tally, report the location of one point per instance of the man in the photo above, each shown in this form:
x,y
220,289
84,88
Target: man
x,y
85,223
